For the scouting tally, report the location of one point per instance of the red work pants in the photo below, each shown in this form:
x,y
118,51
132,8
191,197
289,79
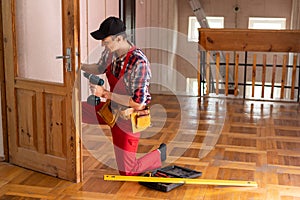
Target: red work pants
x,y
125,144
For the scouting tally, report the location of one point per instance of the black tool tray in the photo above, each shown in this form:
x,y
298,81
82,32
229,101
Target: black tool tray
x,y
170,172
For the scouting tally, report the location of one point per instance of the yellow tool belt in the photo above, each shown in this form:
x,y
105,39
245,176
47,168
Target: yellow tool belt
x,y
140,119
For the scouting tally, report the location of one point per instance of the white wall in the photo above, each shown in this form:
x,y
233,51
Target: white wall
x,y
92,13
253,8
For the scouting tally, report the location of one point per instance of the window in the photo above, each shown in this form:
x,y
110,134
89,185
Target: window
x,y
214,22
192,86
266,23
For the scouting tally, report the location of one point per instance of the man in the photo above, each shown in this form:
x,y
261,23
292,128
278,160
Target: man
x,y
128,73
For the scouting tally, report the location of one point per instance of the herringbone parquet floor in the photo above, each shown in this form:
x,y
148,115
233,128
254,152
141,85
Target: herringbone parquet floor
x,y
222,138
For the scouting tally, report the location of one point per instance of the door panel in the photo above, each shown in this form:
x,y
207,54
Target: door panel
x,y
43,108
55,131
27,137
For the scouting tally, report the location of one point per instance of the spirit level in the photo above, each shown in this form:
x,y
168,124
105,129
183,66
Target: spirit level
x,y
180,180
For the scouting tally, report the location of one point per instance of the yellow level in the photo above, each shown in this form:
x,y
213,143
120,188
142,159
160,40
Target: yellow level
x,y
180,180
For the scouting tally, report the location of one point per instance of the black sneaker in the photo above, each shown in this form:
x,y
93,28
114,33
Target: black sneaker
x,y
163,151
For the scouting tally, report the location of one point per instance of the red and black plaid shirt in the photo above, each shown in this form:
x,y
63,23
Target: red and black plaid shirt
x,y
137,74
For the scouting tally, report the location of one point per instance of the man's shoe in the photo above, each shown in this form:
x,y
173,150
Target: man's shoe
x,y
163,151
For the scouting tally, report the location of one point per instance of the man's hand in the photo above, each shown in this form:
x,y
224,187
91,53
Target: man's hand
x,y
100,91
118,98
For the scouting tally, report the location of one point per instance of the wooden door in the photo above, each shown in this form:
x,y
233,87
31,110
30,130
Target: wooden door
x,y
42,97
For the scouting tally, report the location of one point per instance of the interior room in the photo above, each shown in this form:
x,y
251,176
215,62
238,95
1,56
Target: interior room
x,y
224,88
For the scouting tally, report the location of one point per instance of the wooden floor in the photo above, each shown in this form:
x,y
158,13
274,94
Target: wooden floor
x,y
224,139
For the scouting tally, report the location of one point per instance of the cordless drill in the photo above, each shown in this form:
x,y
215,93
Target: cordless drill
x,y
92,99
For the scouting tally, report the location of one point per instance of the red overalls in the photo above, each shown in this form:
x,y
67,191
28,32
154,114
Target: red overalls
x,y
125,142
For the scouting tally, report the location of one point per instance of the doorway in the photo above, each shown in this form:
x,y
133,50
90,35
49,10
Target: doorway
x,y
98,153
37,95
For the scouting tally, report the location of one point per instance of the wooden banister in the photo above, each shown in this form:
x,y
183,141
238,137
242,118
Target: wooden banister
x,y
294,76
240,42
249,40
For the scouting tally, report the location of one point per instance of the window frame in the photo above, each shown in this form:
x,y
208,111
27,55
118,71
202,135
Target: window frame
x,y
267,22
193,26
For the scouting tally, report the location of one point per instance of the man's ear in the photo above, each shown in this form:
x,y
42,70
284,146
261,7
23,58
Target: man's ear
x,y
119,38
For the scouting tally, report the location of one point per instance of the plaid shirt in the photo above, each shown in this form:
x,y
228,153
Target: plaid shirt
x,y
105,60
137,74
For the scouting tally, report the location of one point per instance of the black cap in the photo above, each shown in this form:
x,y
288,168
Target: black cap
x,y
110,26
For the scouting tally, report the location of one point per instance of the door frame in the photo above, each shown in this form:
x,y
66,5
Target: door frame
x,y
127,13
3,92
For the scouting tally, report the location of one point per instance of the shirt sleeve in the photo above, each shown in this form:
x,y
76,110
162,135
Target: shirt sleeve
x,y
140,81
104,61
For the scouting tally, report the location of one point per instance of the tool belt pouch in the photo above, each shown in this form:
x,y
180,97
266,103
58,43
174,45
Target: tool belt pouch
x,y
107,114
140,120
